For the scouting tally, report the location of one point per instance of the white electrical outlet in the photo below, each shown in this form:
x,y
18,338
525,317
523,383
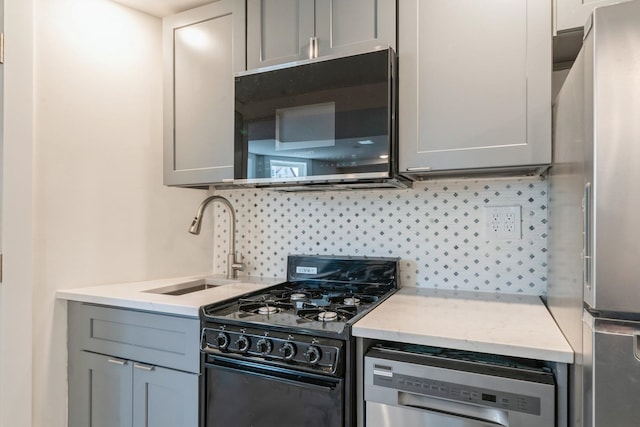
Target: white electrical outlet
x,y
503,222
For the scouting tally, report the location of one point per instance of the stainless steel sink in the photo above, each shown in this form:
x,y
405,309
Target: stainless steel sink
x,y
190,286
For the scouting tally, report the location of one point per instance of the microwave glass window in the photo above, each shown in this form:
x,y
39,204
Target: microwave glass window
x,y
329,117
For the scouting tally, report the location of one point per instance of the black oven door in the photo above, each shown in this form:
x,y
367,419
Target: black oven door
x,y
244,394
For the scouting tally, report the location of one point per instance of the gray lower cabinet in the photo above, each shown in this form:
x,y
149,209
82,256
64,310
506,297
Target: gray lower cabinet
x,y
474,85
128,393
202,49
100,391
281,31
132,369
164,397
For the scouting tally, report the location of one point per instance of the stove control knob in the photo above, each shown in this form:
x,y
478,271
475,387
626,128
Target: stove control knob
x,y
243,344
264,346
288,351
222,340
313,355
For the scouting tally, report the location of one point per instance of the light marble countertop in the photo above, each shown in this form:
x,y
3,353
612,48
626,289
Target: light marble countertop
x,y
509,325
136,295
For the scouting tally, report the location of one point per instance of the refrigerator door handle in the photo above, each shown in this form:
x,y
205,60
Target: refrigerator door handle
x,y
586,232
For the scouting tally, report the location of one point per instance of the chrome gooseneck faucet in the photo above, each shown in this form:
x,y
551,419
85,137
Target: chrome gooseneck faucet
x,y
232,264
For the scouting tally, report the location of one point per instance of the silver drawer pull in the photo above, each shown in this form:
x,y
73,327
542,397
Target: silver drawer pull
x,y
117,361
383,373
143,367
419,169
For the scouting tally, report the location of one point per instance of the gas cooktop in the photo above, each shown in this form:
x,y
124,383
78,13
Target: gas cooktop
x,y
315,305
322,293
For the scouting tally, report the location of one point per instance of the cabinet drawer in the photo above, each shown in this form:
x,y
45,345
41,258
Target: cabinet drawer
x,y
157,339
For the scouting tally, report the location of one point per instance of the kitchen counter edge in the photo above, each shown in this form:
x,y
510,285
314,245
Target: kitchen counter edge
x,y
136,295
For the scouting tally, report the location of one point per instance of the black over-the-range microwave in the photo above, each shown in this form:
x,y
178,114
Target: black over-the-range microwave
x,y
319,124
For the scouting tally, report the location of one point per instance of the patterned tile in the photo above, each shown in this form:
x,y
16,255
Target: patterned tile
x,y
436,228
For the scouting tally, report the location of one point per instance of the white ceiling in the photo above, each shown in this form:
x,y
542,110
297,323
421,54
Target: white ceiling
x,y
161,8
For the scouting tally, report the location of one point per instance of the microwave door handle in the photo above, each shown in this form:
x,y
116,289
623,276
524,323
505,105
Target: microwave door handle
x,y
489,416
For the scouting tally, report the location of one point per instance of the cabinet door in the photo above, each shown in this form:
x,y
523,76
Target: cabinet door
x,y
346,27
474,84
100,390
278,31
203,48
164,397
572,14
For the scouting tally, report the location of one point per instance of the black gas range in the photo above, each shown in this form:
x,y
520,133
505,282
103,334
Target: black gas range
x,y
285,355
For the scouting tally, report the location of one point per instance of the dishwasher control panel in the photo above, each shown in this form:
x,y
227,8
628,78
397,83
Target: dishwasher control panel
x,y
420,385
384,377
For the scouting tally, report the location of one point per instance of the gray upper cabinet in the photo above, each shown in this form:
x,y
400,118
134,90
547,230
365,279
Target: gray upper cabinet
x,y
572,14
278,31
474,85
202,49
281,31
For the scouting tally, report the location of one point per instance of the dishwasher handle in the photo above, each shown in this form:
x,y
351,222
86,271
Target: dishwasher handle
x,y
490,416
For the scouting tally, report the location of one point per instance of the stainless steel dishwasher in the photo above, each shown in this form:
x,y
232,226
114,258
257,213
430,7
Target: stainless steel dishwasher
x,y
429,387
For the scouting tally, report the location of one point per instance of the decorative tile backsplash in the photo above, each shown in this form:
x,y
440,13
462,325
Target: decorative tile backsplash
x,y
437,228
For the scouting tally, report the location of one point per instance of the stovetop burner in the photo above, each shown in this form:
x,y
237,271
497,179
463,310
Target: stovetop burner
x,y
327,316
267,309
270,306
298,296
351,301
333,314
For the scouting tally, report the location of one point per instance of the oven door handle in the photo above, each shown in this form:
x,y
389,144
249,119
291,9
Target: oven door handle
x,y
490,416
296,379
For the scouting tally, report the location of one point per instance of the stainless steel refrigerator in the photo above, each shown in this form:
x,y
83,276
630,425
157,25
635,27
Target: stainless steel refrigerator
x,y
594,219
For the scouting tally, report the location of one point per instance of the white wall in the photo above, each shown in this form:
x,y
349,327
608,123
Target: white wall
x,y
100,211
16,305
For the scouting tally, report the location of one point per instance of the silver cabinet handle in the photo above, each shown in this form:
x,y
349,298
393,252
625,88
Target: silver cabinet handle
x,y
115,361
143,367
313,47
419,169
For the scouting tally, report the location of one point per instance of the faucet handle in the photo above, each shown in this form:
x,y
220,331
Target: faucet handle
x,y
233,266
